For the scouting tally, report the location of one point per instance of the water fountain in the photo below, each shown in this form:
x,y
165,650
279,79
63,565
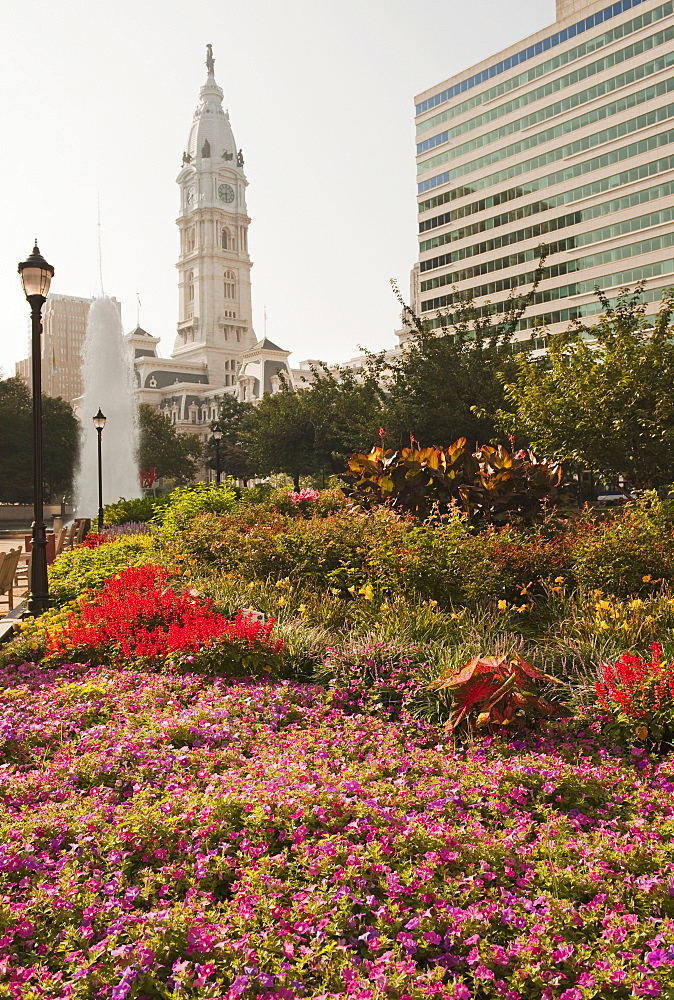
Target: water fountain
x,y
108,384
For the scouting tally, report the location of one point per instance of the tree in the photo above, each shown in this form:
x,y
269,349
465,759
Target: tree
x,y
433,390
315,428
602,399
16,442
172,455
345,410
280,435
60,444
235,460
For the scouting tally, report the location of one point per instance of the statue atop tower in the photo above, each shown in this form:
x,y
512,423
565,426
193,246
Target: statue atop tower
x,y
210,61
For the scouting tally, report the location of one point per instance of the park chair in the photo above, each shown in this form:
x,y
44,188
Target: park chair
x,y
7,572
68,536
82,529
59,542
22,574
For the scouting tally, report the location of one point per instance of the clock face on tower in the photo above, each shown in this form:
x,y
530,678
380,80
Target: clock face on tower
x,y
226,193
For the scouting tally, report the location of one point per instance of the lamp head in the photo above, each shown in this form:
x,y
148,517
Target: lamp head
x,y
217,433
36,274
99,420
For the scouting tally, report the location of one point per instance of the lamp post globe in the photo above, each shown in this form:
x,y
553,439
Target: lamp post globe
x,y
36,275
99,424
217,437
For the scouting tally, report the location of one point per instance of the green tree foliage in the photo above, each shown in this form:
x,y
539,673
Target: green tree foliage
x,y
433,390
235,460
16,442
603,398
172,455
60,440
280,435
61,444
314,429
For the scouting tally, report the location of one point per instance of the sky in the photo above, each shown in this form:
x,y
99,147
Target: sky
x,y
97,101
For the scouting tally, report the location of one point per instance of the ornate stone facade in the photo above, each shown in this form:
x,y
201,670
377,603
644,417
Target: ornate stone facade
x,y
215,351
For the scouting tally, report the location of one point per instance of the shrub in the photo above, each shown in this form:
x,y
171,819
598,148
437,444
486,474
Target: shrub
x,y
188,502
491,484
638,694
84,568
141,509
625,553
307,503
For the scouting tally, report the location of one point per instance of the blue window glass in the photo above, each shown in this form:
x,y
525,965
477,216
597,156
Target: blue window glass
x,y
556,39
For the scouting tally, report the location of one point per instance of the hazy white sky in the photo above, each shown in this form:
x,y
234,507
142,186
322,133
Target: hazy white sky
x,y
97,100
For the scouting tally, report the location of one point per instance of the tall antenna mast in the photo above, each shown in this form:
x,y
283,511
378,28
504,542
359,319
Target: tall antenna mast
x,y
100,251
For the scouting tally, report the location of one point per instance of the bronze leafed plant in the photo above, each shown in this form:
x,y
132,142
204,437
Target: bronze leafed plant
x,y
495,691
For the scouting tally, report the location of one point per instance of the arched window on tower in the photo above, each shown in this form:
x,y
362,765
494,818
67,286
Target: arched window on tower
x,y
190,286
191,239
230,285
224,239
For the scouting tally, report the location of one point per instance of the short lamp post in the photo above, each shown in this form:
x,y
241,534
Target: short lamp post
x,y
99,424
36,275
217,437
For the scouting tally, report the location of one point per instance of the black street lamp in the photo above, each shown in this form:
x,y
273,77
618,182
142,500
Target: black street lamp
x,y
36,275
99,424
217,437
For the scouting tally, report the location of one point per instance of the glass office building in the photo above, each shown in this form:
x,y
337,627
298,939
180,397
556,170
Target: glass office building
x,y
563,141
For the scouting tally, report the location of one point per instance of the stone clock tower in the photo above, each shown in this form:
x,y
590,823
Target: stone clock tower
x,y
215,323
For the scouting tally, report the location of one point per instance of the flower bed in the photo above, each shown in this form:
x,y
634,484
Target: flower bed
x,y
177,836
138,617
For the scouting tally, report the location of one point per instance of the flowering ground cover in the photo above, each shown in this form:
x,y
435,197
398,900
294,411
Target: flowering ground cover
x,y
168,835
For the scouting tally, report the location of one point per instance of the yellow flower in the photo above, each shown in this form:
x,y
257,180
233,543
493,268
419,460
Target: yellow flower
x,y
433,604
522,607
283,583
335,590
603,625
641,732
302,609
282,601
604,605
559,579
556,590
367,592
646,579
376,625
352,590
502,605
